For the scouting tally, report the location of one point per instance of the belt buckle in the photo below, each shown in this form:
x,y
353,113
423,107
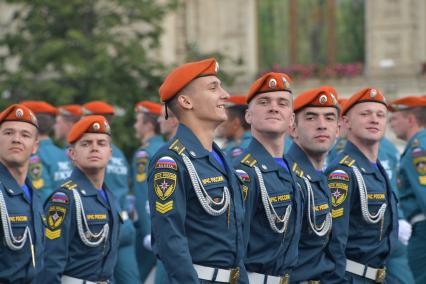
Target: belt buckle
x,y
102,282
381,275
314,282
284,279
234,275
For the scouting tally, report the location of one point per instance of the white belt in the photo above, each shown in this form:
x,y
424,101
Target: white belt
x,y
72,280
417,218
124,215
208,273
255,278
376,274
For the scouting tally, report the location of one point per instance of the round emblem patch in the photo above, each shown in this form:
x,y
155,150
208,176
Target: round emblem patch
x,y
96,126
323,99
19,113
272,83
373,93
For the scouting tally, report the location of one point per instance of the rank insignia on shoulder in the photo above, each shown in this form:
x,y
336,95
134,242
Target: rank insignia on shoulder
x,y
55,216
297,170
177,147
70,185
51,235
248,160
163,208
166,162
348,161
244,177
164,184
59,197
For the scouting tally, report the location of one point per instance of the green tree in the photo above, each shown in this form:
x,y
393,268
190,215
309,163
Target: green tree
x,y
80,50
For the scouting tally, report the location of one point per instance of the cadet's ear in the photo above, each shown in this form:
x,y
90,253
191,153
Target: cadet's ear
x,y
185,102
248,115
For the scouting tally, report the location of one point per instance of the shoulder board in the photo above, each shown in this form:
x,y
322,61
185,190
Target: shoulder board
x,y
70,185
347,161
297,170
248,160
177,147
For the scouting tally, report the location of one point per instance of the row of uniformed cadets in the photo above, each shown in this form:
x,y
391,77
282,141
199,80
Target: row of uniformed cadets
x,y
49,166
199,203
345,217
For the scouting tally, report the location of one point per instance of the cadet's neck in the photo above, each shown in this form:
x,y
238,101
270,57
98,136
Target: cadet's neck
x,y
19,174
203,131
273,143
147,136
96,177
316,159
412,131
370,150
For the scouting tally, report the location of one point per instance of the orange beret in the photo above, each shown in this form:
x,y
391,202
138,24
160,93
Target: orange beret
x,y
97,107
407,103
270,82
70,110
89,124
183,75
40,107
18,112
364,95
324,96
148,107
342,102
236,101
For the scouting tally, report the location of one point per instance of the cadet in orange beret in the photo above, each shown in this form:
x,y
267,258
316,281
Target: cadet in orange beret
x,y
408,121
235,130
83,222
50,166
147,132
314,132
117,179
365,217
21,237
67,116
194,196
273,203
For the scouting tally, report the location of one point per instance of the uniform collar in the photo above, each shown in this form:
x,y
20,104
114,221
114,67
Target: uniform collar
x,y
10,183
265,161
192,144
152,140
296,154
361,160
246,135
86,187
419,136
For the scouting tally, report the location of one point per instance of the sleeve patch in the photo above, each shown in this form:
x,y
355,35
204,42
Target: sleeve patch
x,y
236,152
36,171
422,180
338,175
164,184
163,208
336,213
338,182
420,165
55,216
166,162
59,197
243,175
141,163
51,235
